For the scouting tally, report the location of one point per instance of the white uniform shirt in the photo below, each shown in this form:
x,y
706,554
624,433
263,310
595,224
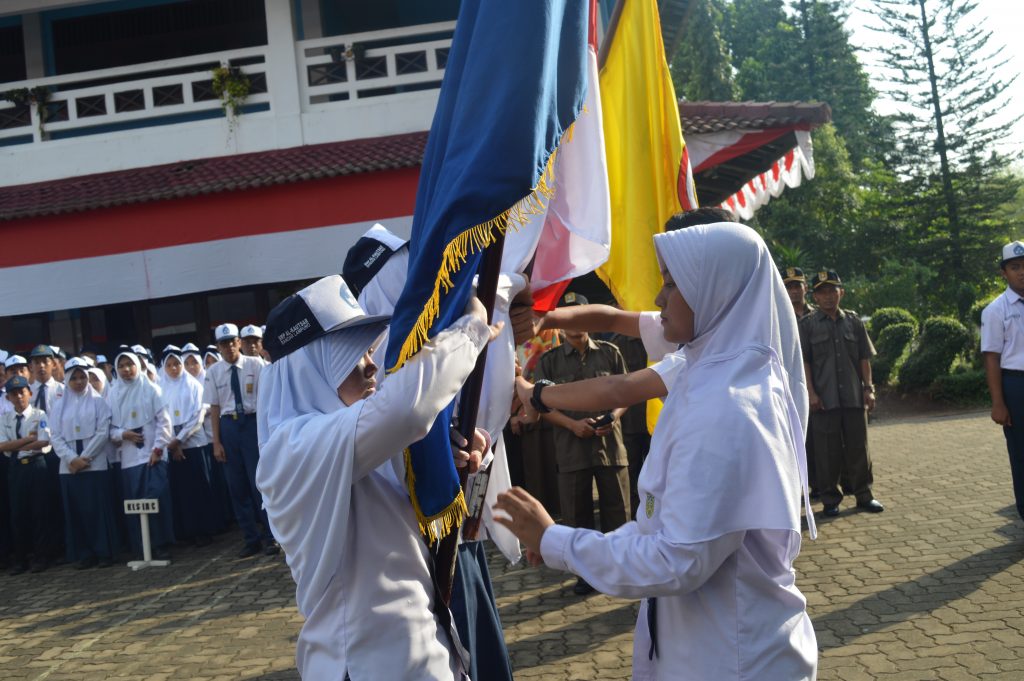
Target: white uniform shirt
x,y
95,448
217,385
54,391
1002,329
5,404
155,432
667,356
35,423
375,618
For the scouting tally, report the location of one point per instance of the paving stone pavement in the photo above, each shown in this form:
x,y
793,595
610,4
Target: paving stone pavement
x,y
931,589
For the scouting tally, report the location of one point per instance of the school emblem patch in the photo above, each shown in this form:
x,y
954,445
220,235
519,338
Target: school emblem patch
x,y
1018,249
134,414
649,505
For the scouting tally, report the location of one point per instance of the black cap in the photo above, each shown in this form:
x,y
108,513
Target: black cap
x,y
573,299
826,277
793,274
364,260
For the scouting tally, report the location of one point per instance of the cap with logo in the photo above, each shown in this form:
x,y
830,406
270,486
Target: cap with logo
x,y
573,299
14,360
41,351
88,360
1011,251
142,351
323,307
75,363
826,277
190,347
369,255
225,332
16,383
251,331
168,351
793,274
102,359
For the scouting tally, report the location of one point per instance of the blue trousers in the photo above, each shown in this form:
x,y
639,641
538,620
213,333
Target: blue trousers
x,y
475,615
238,436
1013,394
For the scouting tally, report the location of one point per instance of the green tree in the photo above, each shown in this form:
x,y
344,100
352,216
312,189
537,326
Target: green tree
x,y
701,68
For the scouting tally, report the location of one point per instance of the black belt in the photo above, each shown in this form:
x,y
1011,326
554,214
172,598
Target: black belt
x,y
28,459
1013,372
234,417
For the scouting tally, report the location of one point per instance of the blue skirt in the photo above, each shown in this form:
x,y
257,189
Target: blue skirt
x,y
195,513
89,529
475,614
149,482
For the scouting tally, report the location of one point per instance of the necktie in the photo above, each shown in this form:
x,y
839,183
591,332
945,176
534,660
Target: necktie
x,y
652,627
17,425
236,389
79,447
41,397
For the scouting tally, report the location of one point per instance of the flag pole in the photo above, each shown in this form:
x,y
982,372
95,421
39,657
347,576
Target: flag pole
x,y
609,33
469,405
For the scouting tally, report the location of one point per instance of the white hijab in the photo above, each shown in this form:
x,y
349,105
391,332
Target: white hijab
x,y
102,377
134,403
199,358
182,395
75,414
739,408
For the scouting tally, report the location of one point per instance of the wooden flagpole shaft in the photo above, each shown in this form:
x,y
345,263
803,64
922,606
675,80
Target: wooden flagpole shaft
x,y
469,405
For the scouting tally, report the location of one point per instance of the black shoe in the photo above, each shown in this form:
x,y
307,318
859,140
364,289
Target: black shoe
x,y
814,494
272,549
831,511
582,588
105,563
86,563
873,506
39,566
18,569
162,553
249,550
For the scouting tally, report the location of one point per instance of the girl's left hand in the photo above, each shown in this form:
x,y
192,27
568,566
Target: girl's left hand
x,y
155,456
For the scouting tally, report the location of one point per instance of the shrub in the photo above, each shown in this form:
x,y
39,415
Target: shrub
x,y
942,340
887,316
974,315
966,387
892,344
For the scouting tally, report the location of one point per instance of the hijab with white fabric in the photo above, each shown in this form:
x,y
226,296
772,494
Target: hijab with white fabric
x,y
75,415
183,395
102,378
192,350
740,405
134,403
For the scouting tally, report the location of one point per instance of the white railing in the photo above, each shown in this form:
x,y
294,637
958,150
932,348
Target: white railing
x,y
339,68
128,94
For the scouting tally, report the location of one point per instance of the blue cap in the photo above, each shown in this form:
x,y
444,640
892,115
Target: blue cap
x,y
16,383
41,351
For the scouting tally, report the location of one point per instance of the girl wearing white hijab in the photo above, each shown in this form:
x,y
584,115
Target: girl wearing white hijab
x,y
141,427
718,528
79,428
330,444
190,487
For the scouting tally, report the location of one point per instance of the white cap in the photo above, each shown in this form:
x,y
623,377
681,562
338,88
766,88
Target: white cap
x,y
225,332
56,350
101,359
76,362
190,347
4,355
14,360
251,330
88,360
1013,250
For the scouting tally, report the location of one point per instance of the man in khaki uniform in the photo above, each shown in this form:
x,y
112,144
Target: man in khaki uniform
x,y
796,288
586,449
837,361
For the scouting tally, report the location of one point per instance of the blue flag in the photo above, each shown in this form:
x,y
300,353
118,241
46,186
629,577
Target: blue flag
x,y
514,83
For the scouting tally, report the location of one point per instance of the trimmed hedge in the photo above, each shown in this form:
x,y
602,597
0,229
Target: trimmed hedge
x,y
887,316
942,340
966,387
892,344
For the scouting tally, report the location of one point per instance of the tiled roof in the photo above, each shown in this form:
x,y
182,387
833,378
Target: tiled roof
x,y
705,117
311,162
211,175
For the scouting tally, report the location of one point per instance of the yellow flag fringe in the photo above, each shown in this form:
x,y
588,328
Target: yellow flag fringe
x,y
476,239
440,524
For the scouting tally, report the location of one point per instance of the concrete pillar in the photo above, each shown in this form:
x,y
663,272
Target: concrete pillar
x,y
32,33
283,73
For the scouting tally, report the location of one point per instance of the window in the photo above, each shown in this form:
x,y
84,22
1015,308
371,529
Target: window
x,y
236,307
12,54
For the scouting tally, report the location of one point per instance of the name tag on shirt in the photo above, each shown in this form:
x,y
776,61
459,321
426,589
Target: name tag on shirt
x,y
134,414
177,412
248,388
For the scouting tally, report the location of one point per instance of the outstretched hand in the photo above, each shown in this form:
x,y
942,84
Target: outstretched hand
x,y
526,518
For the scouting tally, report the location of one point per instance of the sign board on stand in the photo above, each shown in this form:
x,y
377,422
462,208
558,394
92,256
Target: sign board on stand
x,y
143,508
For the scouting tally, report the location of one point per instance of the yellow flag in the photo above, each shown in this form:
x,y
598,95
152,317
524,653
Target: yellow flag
x,y
645,151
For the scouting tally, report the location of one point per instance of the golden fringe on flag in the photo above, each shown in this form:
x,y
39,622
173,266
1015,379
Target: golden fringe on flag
x,y
440,524
476,239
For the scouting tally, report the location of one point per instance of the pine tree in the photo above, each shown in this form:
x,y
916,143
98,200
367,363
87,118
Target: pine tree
x,y
945,75
701,67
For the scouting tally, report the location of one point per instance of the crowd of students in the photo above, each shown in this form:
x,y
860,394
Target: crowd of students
x,y
80,434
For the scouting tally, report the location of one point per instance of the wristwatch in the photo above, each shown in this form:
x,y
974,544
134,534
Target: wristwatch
x,y
535,400
869,387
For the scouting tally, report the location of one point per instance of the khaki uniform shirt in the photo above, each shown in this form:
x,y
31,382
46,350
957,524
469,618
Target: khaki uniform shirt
x,y
565,365
632,349
834,350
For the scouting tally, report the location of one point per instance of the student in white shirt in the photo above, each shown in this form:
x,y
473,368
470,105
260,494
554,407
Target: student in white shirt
x,y
141,427
24,437
231,389
331,471
1002,344
190,487
713,546
80,428
46,392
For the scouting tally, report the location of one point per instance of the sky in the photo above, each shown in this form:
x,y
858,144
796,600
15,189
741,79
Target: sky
x,y
1005,18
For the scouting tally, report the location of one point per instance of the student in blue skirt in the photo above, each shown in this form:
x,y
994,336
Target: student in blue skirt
x,y
80,428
